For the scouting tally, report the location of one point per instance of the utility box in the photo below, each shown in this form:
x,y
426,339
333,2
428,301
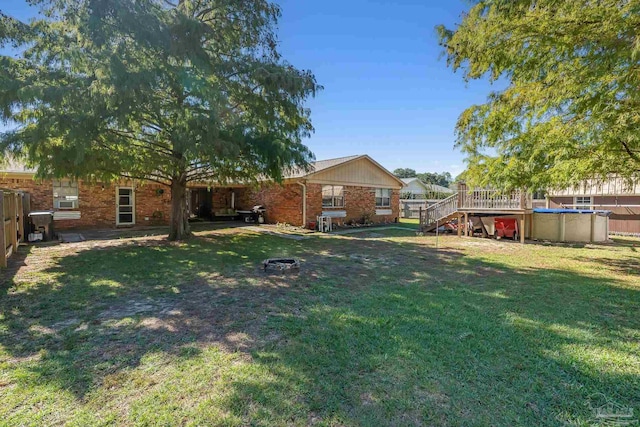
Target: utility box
x,y
42,223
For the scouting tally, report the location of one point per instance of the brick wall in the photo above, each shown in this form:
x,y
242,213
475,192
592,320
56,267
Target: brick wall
x,y
283,203
358,202
97,203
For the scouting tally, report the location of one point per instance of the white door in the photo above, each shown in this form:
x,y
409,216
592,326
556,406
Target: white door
x,y
125,206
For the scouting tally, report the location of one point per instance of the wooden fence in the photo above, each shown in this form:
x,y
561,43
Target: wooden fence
x,y
12,230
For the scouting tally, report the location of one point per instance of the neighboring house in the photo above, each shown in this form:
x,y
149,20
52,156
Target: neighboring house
x,y
615,195
414,188
348,189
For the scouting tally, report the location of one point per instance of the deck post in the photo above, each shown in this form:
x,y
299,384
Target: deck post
x,y
466,224
3,241
459,225
522,231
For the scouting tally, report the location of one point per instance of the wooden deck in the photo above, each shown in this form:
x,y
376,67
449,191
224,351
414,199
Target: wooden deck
x,y
467,203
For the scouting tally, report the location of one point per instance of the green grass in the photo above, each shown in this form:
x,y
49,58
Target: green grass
x,y
378,328
410,222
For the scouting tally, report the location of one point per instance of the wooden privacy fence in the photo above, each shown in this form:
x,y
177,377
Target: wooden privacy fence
x,y
12,223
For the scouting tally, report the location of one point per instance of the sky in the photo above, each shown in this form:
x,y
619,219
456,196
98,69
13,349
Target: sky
x,y
387,91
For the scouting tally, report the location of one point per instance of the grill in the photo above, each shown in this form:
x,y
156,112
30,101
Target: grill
x,y
257,215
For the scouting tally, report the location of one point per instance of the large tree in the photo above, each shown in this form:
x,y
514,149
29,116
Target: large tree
x,y
172,91
571,106
405,173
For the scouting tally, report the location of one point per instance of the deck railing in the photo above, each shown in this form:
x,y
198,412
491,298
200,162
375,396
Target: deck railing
x,y
494,199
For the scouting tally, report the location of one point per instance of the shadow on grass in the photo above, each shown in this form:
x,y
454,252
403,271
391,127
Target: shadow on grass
x,y
371,331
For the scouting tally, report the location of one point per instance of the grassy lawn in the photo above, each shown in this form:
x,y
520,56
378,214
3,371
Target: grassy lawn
x,y
410,222
376,329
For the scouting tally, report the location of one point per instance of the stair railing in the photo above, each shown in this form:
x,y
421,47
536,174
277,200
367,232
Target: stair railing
x,y
440,210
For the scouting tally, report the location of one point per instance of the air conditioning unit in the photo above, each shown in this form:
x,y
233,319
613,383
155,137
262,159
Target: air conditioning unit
x,y
324,224
66,204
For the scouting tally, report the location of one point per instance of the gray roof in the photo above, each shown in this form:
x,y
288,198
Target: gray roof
x,y
429,187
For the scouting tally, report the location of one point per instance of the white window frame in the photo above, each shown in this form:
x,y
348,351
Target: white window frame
x,y
379,195
133,206
584,202
334,198
57,185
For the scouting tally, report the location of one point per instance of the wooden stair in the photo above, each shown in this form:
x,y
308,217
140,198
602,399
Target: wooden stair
x,y
440,222
439,213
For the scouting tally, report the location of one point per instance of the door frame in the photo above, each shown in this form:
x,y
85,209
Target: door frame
x,y
133,205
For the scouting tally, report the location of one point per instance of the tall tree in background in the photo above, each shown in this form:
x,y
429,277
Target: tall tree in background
x,y
571,109
405,173
443,179
173,91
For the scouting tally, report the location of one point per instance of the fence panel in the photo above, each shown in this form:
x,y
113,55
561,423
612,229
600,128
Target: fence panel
x,y
410,208
11,209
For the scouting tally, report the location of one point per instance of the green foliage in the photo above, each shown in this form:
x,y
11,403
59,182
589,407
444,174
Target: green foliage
x,y
571,107
443,179
191,90
405,173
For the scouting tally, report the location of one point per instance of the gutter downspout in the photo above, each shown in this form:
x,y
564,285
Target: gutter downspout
x,y
304,202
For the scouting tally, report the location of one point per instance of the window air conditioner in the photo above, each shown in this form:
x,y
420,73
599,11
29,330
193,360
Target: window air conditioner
x,y
66,204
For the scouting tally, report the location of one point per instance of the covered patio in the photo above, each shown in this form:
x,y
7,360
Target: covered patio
x,y
217,203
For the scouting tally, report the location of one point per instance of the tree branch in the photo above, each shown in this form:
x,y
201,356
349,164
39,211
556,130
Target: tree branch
x,y
630,152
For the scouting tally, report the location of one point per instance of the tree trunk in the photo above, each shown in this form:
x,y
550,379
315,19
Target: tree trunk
x,y
179,226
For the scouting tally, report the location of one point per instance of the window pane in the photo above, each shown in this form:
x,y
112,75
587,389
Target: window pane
x,y
338,202
338,190
65,190
327,191
327,202
125,218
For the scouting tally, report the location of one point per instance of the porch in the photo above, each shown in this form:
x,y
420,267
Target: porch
x,y
216,203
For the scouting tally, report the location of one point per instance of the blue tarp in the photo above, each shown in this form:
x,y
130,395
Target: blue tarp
x,y
575,211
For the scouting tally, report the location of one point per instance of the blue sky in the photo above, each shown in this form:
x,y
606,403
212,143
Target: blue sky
x,y
387,91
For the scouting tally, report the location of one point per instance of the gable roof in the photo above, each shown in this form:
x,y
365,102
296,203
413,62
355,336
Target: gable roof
x,y
325,165
316,167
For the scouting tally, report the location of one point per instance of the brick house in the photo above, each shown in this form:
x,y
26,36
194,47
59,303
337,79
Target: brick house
x,y
615,195
347,189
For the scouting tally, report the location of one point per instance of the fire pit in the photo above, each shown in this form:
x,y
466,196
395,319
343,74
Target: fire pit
x,y
281,264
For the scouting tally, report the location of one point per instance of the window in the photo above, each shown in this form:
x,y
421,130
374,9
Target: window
x,y
65,194
332,196
383,197
583,202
